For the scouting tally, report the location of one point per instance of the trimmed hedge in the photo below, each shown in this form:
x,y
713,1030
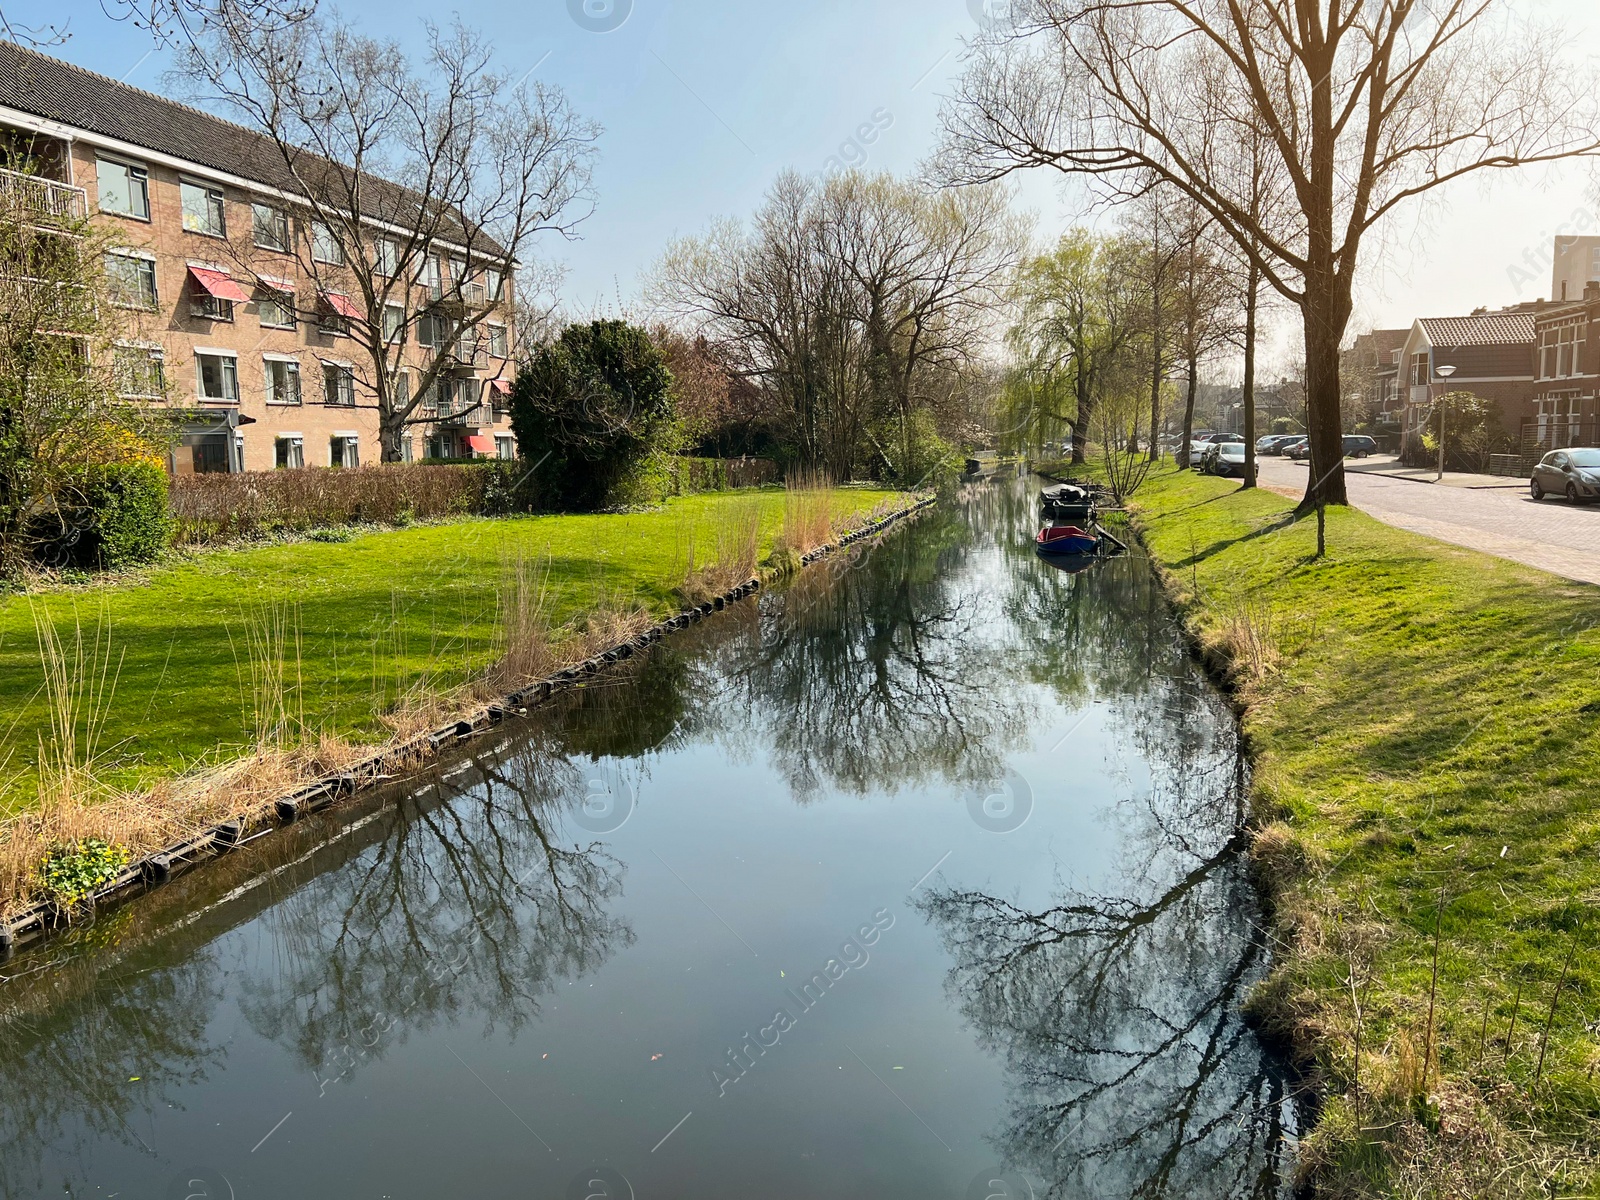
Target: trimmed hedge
x,y
221,507
111,515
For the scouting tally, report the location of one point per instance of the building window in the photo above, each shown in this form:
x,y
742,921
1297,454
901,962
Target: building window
x,y
210,308
124,188
338,385
406,451
1561,352
283,381
218,376
385,257
270,227
1420,373
343,451
131,279
432,276
289,451
394,320
432,330
139,371
505,446
499,344
494,281
203,210
275,308
325,245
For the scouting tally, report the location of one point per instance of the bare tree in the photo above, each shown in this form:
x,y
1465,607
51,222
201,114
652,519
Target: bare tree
x,y
1365,104
857,301
418,189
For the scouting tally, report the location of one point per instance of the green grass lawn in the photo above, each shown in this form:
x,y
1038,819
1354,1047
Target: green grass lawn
x,y
373,615
1427,724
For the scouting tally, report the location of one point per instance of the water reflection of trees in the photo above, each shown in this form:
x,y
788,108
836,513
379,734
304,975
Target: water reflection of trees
x,y
74,1043
470,908
440,908
1131,1072
877,671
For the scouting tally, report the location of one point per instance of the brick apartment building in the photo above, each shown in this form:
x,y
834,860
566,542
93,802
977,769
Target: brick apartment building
x,y
222,328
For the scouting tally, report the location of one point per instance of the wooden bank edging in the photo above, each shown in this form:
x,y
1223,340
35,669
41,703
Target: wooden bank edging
x,y
46,917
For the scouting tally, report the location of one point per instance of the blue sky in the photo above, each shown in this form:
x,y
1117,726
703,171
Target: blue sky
x,y
704,101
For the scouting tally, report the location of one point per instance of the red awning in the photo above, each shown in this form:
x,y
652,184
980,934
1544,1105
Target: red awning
x,y
219,284
341,305
503,386
483,445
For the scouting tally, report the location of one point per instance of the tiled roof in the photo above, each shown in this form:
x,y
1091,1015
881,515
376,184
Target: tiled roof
x,y
1487,329
60,91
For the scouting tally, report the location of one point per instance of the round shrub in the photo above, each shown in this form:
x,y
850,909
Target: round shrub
x,y
127,520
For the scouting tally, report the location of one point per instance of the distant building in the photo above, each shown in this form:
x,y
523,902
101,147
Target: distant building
x,y
1370,370
1568,370
1576,265
255,375
1493,356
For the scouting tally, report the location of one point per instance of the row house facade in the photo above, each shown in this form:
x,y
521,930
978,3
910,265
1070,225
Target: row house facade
x,y
1492,354
1566,406
220,323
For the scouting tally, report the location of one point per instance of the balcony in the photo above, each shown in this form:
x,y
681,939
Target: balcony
x,y
45,197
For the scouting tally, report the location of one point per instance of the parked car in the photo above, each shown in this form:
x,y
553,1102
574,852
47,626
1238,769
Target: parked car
x,y
1226,458
1274,443
1573,473
1359,445
1298,449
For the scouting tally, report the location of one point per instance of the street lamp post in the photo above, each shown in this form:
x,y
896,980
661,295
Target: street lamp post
x,y
1444,373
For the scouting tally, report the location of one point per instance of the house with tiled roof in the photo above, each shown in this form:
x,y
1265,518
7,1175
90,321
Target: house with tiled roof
x,y
1491,354
226,331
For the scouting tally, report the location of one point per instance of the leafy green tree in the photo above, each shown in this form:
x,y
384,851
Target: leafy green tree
x,y
63,432
1079,312
594,415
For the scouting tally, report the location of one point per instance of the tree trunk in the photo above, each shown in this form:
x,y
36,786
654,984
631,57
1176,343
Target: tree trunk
x,y
391,431
1080,423
1325,320
1188,408
1251,300
1155,389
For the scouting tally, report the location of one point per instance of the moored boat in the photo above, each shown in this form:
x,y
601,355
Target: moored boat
x,y
1066,539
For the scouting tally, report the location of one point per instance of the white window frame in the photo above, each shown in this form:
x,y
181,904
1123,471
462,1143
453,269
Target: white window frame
x,y
230,362
280,217
350,445
277,288
216,206
498,337
290,366
323,242
504,442
346,374
147,270
386,256
154,353
137,172
297,451
392,335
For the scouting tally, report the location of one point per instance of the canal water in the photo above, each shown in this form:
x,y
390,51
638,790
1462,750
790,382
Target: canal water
x,y
919,878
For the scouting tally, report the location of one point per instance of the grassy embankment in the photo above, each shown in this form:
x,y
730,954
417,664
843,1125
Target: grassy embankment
x,y
286,658
1424,722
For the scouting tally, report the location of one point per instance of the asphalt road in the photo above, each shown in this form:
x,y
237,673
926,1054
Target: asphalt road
x,y
1552,535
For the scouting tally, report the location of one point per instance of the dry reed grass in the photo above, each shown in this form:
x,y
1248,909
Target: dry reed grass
x,y
77,803
733,557
808,511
